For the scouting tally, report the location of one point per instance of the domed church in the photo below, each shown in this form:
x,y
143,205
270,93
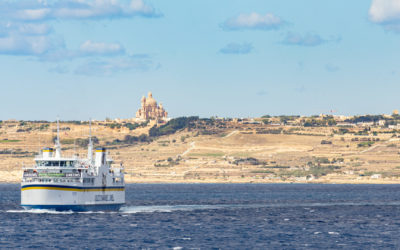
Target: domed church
x,y
150,109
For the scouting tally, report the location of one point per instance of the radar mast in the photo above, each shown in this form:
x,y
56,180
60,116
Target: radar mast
x,y
90,144
58,144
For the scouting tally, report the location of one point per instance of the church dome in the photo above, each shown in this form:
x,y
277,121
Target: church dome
x,y
150,100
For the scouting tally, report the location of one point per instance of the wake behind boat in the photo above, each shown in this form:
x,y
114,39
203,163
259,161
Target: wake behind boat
x,y
71,183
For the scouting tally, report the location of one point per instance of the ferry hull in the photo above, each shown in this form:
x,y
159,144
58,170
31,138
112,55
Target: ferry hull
x,y
76,208
75,198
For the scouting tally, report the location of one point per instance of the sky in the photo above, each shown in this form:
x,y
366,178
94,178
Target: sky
x,y
81,59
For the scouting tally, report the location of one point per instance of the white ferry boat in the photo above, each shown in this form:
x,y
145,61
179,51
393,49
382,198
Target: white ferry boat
x,y
71,183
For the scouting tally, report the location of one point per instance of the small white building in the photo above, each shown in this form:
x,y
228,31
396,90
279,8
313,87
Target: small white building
x,y
397,126
365,124
345,124
381,123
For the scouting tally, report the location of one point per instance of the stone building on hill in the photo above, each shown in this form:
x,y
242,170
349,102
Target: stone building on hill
x,y
150,110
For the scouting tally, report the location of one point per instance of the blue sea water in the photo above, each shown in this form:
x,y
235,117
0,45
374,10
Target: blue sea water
x,y
225,216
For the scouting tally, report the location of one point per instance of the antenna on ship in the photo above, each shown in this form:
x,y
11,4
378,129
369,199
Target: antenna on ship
x,y
90,144
75,154
58,144
40,146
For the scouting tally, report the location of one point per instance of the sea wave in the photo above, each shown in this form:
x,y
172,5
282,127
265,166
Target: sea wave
x,y
39,211
167,208
175,208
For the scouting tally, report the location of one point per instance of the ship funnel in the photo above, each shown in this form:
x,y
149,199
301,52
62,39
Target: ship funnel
x,y
100,157
47,152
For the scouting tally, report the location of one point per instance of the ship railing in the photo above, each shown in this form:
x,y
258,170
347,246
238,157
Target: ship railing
x,y
73,157
78,167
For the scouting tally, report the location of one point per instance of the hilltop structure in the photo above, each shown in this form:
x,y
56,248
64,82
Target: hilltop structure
x,y
150,110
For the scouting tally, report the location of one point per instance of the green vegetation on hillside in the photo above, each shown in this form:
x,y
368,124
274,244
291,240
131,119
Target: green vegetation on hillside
x,y
114,125
285,118
76,122
129,140
173,126
365,144
134,126
316,171
366,118
9,141
81,142
319,123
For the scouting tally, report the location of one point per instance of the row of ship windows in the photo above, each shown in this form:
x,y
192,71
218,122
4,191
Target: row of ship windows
x,y
55,180
56,163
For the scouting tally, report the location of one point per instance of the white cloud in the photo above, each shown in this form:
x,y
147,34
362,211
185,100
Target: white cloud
x,y
308,40
237,48
60,54
331,67
115,65
26,45
97,48
386,13
254,21
33,28
59,69
140,6
32,14
77,9
86,49
33,39
23,28
24,32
